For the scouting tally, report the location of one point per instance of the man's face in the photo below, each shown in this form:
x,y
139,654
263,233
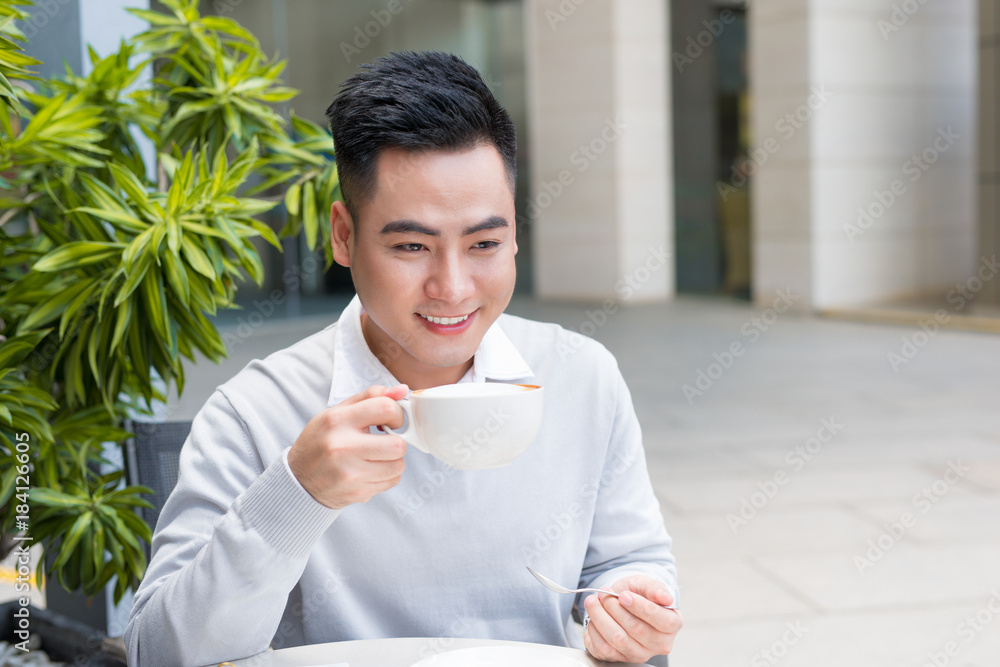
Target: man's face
x,y
435,241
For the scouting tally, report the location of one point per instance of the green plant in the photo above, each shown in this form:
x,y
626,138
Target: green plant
x,y
111,269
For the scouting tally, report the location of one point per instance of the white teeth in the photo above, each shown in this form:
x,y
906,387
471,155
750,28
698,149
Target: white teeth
x,y
445,320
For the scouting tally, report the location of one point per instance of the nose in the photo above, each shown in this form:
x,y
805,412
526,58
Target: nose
x,y
450,280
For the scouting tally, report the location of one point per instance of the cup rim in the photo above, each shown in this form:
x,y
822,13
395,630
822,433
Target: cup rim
x,y
529,387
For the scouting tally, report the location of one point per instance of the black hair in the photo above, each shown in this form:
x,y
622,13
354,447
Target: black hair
x,y
417,101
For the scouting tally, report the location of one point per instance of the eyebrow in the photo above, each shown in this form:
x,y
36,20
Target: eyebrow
x,y
402,226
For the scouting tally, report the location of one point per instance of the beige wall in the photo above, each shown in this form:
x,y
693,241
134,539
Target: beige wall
x,y
600,196
989,136
892,85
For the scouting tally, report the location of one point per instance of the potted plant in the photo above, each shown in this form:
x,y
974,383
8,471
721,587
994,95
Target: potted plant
x,y
110,269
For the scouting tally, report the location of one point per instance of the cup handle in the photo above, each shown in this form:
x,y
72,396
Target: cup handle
x,y
410,433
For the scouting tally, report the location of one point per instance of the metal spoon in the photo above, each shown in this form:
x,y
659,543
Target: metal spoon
x,y
553,586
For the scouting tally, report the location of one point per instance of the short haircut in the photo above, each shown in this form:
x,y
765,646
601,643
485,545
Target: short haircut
x,y
416,101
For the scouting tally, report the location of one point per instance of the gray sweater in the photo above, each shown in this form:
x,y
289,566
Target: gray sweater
x,y
244,558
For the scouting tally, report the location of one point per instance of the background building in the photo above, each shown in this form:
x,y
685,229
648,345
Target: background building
x,y
846,151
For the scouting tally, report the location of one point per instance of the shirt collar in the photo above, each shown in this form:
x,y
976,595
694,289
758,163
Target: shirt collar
x,y
355,367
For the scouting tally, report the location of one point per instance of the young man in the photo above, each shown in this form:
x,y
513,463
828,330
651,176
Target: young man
x,y
295,521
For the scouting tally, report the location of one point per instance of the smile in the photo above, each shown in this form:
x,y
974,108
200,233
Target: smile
x,y
447,321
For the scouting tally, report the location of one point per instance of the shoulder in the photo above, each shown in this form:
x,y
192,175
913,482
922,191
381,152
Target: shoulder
x,y
299,374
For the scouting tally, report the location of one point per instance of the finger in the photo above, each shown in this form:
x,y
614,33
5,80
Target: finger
x,y
377,411
380,472
649,588
649,637
613,634
655,616
377,448
374,391
599,646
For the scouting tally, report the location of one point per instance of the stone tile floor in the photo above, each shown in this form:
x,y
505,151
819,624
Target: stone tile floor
x,y
827,508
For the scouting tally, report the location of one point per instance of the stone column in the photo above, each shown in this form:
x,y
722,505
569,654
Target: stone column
x,y
601,200
867,193
989,138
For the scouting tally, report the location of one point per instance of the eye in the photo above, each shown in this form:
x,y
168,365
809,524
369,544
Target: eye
x,y
410,247
487,245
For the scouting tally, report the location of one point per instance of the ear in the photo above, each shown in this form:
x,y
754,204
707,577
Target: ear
x,y
514,222
341,233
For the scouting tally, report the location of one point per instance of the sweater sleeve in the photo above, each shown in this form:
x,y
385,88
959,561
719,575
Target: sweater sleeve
x,y
628,535
231,542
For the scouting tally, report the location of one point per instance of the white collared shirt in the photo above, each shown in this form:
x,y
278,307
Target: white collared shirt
x,y
496,359
244,557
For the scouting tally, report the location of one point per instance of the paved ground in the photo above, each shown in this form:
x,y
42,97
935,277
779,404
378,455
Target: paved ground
x,y
831,504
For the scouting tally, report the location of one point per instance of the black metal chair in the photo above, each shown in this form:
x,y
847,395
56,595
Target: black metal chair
x,y
152,459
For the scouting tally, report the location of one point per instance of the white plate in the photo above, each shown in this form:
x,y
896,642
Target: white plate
x,y
499,656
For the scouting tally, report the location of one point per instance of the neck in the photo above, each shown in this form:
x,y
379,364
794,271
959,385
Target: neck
x,y
405,368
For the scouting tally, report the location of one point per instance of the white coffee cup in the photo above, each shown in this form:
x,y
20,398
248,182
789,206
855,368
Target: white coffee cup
x,y
472,425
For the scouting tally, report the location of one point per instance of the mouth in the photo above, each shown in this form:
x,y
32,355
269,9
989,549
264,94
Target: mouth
x,y
447,321
454,324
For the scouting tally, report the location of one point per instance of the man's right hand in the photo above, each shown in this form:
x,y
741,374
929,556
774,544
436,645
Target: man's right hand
x,y
338,461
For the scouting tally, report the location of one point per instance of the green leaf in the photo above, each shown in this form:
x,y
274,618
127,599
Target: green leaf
x,y
134,278
57,499
155,18
292,198
51,308
80,253
129,223
310,219
197,259
71,538
122,319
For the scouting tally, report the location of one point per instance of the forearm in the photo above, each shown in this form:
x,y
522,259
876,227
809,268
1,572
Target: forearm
x,y
226,602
